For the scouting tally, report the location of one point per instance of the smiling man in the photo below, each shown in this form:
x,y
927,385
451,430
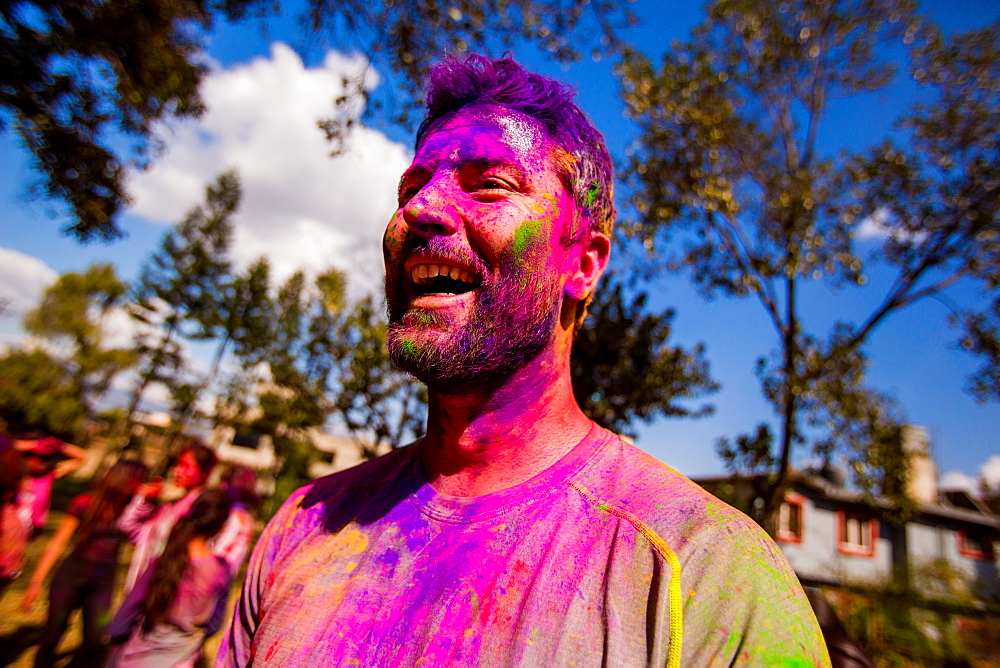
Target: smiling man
x,y
516,531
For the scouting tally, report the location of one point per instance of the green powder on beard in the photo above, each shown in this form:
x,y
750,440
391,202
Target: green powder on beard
x,y
409,349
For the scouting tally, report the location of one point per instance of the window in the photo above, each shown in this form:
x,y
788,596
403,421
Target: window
x,y
976,544
247,439
790,517
857,534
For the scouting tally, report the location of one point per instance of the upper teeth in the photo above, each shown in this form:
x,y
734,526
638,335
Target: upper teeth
x,y
422,272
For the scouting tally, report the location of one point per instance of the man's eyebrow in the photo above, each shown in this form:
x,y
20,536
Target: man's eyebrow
x,y
477,163
488,162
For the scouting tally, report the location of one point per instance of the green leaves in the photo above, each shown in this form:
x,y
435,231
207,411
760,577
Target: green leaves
x,y
37,392
982,338
86,82
182,288
375,401
76,72
72,316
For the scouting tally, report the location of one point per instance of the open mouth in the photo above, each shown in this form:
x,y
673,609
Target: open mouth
x,y
442,279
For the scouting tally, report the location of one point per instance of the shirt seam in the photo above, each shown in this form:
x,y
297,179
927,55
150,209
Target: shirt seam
x,y
664,550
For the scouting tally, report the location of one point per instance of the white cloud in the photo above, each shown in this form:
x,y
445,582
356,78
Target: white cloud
x,y
878,226
990,471
24,279
301,208
873,226
959,480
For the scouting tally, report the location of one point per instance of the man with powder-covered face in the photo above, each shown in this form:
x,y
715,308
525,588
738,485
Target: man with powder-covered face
x,y
516,531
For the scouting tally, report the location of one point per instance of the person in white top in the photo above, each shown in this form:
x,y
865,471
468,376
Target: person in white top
x,y
148,524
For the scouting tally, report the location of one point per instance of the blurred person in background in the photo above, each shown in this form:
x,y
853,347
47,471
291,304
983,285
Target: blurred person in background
x,y
47,459
85,579
15,526
179,600
233,542
147,523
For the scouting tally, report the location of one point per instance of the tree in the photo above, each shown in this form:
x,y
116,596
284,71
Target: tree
x,y
72,312
624,371
410,36
78,72
239,314
241,318
295,396
36,393
376,402
982,338
729,164
181,281
81,76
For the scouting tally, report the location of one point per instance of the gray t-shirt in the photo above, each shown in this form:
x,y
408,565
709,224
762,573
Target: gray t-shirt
x,y
609,557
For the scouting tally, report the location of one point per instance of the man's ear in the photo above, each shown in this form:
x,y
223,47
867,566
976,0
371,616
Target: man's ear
x,y
588,263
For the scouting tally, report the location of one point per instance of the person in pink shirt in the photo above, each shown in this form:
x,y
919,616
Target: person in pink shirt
x,y
516,531
46,460
147,523
177,599
15,526
233,541
85,546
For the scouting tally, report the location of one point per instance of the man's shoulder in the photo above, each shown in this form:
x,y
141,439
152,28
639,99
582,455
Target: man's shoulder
x,y
624,480
352,485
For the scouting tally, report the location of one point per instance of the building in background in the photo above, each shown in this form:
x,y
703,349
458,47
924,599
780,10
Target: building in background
x,y
836,536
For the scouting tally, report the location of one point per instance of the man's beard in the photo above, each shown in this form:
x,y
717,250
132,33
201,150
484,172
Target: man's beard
x,y
512,319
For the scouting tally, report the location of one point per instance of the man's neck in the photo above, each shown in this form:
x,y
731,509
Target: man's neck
x,y
484,442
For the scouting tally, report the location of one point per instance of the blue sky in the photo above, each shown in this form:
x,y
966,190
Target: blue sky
x,y
303,208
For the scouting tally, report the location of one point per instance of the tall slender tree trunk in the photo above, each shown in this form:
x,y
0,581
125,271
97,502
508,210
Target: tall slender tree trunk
x,y
789,415
156,362
182,420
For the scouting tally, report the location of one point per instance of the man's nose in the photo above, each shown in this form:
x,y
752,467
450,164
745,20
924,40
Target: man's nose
x,y
433,211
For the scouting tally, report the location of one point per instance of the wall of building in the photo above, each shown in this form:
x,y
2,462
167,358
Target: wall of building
x,y
818,557
928,543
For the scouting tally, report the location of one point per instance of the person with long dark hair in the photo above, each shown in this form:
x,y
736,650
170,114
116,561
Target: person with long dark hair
x,y
175,603
85,579
147,521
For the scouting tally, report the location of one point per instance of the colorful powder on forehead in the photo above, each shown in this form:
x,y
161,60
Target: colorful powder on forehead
x,y
519,132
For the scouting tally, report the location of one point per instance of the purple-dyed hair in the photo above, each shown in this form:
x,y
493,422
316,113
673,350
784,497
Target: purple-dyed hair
x,y
476,80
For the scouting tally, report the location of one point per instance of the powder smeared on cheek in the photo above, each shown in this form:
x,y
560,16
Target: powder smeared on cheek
x,y
526,236
392,242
